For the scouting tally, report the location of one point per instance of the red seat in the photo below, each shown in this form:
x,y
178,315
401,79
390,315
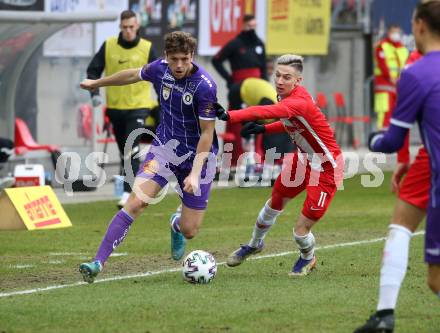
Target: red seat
x,y
25,142
339,99
85,124
321,101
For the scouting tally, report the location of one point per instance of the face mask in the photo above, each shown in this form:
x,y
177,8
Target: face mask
x,y
395,37
250,33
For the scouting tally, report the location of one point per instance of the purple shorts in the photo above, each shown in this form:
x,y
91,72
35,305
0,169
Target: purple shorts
x,y
158,167
432,236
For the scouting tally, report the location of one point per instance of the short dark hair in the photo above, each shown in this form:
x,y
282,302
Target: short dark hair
x,y
127,14
392,26
429,11
248,17
179,41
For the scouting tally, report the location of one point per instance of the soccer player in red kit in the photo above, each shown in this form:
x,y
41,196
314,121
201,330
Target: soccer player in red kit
x,y
316,167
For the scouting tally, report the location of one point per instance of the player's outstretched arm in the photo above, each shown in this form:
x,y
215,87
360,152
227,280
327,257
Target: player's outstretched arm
x,y
259,112
127,76
388,141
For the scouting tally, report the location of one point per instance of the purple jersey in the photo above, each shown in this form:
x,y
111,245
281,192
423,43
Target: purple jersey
x,y
183,102
419,100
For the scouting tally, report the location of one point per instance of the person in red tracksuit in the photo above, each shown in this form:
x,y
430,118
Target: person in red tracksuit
x,y
316,167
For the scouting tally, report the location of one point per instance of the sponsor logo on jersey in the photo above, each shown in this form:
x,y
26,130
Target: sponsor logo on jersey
x,y
187,98
258,50
291,126
166,93
178,88
167,76
122,61
151,167
208,109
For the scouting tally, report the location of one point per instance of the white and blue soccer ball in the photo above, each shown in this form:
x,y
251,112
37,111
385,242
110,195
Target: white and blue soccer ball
x,y
199,267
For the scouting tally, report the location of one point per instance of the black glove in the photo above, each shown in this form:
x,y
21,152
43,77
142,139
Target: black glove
x,y
220,112
372,137
251,128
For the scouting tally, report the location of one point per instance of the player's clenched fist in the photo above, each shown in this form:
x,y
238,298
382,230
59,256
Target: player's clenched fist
x,y
88,84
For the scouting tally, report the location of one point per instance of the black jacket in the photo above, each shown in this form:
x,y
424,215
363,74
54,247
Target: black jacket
x,y
244,51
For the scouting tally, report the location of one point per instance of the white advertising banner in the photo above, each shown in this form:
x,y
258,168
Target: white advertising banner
x,y
77,39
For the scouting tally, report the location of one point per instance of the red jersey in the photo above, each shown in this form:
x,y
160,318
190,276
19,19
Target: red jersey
x,y
413,57
302,120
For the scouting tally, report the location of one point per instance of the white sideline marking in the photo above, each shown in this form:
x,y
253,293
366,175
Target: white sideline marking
x,y
80,254
56,262
22,266
66,254
170,270
119,254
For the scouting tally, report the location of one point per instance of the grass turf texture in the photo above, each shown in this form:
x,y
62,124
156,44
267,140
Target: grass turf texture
x,y
255,297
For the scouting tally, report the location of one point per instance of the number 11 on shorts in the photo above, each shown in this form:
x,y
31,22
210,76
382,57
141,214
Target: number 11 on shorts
x,y
321,201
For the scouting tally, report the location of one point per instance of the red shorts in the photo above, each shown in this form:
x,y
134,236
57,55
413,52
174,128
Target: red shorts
x,y
320,186
414,188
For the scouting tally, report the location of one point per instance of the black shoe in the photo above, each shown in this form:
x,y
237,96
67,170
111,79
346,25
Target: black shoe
x,y
378,324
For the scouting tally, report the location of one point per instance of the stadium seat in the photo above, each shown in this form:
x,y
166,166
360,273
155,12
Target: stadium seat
x,y
24,140
84,128
345,121
322,103
341,119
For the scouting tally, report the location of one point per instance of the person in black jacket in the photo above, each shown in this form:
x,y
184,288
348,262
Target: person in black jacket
x,y
127,106
246,54
247,57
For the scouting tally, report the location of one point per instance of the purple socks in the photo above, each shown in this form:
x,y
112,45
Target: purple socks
x,y
116,232
175,223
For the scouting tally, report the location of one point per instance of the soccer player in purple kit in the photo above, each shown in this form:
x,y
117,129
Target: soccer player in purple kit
x,y
418,100
182,150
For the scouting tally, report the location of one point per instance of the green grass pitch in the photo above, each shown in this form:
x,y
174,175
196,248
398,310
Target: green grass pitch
x,y
257,296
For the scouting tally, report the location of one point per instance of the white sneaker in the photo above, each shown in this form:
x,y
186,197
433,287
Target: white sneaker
x,y
124,199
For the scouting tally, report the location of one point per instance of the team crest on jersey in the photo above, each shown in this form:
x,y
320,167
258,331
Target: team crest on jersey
x,y
187,98
151,167
166,93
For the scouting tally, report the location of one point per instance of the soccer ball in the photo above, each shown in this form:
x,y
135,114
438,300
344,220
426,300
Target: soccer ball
x,y
199,267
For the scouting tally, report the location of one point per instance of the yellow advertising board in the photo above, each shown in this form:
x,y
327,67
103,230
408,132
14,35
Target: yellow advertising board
x,y
32,208
298,26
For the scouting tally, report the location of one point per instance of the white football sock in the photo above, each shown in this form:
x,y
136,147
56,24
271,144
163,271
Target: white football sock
x,y
266,219
394,265
306,245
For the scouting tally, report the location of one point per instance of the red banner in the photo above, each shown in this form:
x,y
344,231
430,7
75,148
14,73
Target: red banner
x,y
225,20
